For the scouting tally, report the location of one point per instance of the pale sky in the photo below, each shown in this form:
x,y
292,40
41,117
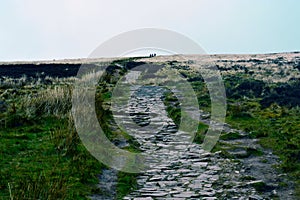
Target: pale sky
x,y
58,29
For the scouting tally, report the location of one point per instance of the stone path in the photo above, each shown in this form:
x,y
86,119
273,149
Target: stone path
x,y
185,170
107,184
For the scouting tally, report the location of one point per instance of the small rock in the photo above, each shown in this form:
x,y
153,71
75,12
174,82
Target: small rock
x,y
146,198
259,185
155,194
209,198
255,197
274,192
215,168
185,195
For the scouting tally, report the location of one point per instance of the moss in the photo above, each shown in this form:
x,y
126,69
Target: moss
x,y
200,135
255,152
248,178
231,136
126,183
259,186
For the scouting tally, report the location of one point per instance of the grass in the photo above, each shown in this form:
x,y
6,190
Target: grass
x,y
278,129
42,155
200,135
230,136
50,101
35,167
43,158
126,183
275,125
172,107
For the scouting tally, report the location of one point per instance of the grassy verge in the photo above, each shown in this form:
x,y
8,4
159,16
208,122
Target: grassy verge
x,y
126,183
277,132
45,161
42,156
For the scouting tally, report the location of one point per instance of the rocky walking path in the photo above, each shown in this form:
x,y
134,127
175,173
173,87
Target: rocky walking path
x,y
183,170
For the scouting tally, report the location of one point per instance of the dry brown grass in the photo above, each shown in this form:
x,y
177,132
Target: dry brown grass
x,y
50,101
41,187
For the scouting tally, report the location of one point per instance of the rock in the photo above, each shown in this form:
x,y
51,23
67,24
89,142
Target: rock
x,y
191,175
155,194
157,178
207,193
255,197
259,185
274,193
208,185
185,195
215,168
200,164
209,198
195,186
185,170
238,153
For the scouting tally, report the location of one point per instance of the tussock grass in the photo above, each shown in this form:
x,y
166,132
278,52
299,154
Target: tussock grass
x,y
42,187
50,101
8,82
65,138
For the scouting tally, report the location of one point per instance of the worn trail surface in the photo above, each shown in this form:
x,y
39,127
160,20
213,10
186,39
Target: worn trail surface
x,y
186,171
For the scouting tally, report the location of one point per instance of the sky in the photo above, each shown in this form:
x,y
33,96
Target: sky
x,y
59,29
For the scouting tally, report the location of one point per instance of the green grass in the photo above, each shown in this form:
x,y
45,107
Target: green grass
x,y
42,156
276,126
230,136
200,135
126,183
46,160
34,167
278,129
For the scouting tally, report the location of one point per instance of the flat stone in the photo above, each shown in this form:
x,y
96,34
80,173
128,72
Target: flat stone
x,y
161,184
214,178
155,194
255,197
169,183
200,164
195,186
174,192
191,175
258,183
207,194
157,178
214,168
149,189
203,177
208,185
185,194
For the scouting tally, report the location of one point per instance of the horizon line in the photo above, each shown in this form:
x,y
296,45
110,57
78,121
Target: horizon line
x,y
54,60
